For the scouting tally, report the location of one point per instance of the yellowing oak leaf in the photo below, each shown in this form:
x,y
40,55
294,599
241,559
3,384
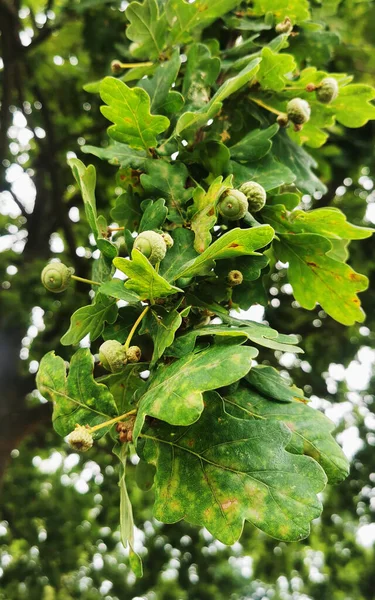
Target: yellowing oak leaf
x,y
175,393
77,398
222,471
317,278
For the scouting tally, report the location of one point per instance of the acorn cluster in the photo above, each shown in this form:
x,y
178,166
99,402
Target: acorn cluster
x,y
234,204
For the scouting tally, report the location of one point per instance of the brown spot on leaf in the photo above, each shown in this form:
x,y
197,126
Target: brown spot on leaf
x,y
228,503
355,277
233,245
312,264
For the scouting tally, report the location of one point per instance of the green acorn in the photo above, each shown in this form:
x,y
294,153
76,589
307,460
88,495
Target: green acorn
x,y
285,26
234,278
328,90
168,239
233,205
80,439
56,277
133,354
112,356
152,246
255,194
116,67
298,111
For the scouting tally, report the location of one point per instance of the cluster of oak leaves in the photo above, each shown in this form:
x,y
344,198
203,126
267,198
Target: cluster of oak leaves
x,y
220,438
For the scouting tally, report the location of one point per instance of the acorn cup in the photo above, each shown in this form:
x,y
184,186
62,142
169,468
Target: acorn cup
x,y
56,277
112,355
255,194
233,205
298,111
152,245
328,90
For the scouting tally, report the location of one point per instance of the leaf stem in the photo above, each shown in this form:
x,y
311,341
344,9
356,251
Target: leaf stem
x,y
263,105
132,331
89,281
111,229
113,421
134,65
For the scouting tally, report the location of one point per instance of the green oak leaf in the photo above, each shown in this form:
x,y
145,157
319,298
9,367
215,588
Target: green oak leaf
x,y
201,72
120,155
154,216
339,250
175,393
353,107
126,512
77,399
129,110
288,199
195,120
314,47
222,471
127,210
144,475
214,156
86,180
166,180
329,222
90,320
102,269
204,211
299,162
254,145
163,100
143,279
270,383
245,295
274,68
245,24
267,171
184,17
254,332
161,325
317,278
116,288
296,10
181,253
311,430
147,29
251,291
236,242
124,385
